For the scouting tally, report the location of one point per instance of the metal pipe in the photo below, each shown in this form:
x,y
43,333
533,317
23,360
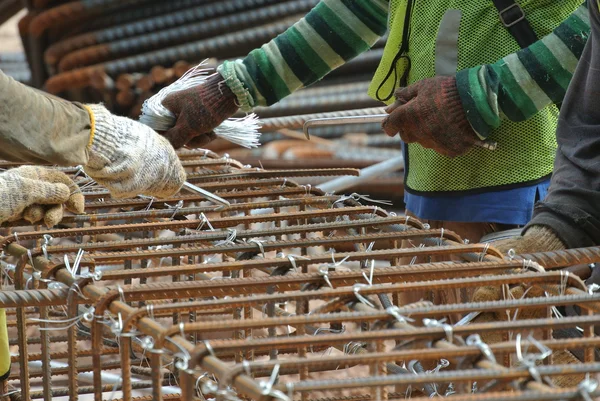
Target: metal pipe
x,y
343,183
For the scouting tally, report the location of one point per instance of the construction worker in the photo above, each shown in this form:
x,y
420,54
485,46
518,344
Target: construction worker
x,y
569,216
465,79
125,156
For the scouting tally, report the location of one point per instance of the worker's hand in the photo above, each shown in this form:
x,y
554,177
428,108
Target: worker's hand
x,y
199,111
130,159
36,193
536,239
430,113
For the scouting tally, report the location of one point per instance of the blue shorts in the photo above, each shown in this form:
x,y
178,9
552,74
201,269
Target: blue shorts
x,y
512,206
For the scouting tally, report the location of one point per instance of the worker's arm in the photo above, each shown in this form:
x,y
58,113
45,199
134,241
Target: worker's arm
x,y
123,155
572,207
40,130
569,216
523,83
332,33
449,114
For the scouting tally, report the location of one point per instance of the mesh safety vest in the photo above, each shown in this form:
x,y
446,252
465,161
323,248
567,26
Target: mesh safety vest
x,y
445,36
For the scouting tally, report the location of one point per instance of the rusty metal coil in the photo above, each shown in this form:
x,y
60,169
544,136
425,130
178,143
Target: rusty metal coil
x,y
78,40
158,38
558,259
149,19
150,10
225,46
231,44
75,11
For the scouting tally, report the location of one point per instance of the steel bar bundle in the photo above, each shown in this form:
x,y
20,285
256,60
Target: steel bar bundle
x,y
290,293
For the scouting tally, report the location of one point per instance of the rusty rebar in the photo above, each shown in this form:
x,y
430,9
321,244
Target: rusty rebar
x,y
210,24
297,122
224,45
149,19
286,272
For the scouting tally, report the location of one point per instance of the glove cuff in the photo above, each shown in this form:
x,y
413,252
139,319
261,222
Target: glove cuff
x,y
105,135
453,104
217,98
243,97
544,238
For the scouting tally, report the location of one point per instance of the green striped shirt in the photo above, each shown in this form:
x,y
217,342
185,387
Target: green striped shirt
x,y
332,33
335,31
523,83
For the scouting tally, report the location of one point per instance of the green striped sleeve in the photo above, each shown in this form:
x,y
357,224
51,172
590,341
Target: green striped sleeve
x,y
332,33
525,82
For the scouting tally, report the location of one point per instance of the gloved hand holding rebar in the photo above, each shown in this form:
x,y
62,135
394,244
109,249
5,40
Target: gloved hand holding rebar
x,y
430,113
199,111
37,193
125,156
130,159
535,239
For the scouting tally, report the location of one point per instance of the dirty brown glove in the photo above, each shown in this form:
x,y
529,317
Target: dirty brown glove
x,y
35,193
430,113
199,111
535,239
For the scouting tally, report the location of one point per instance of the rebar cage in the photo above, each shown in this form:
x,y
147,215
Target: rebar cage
x,y
289,293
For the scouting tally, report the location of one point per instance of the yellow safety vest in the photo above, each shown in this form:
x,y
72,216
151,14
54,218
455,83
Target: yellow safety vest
x,y
526,150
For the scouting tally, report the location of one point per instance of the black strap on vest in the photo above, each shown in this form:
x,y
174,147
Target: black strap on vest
x,y
513,18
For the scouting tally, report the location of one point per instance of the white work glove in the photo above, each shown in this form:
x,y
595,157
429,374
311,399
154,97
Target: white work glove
x,y
130,159
34,193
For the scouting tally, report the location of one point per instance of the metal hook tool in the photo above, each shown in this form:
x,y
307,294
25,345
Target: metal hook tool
x,y
205,193
372,118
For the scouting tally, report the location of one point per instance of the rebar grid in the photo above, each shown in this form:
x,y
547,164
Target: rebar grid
x,y
290,293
